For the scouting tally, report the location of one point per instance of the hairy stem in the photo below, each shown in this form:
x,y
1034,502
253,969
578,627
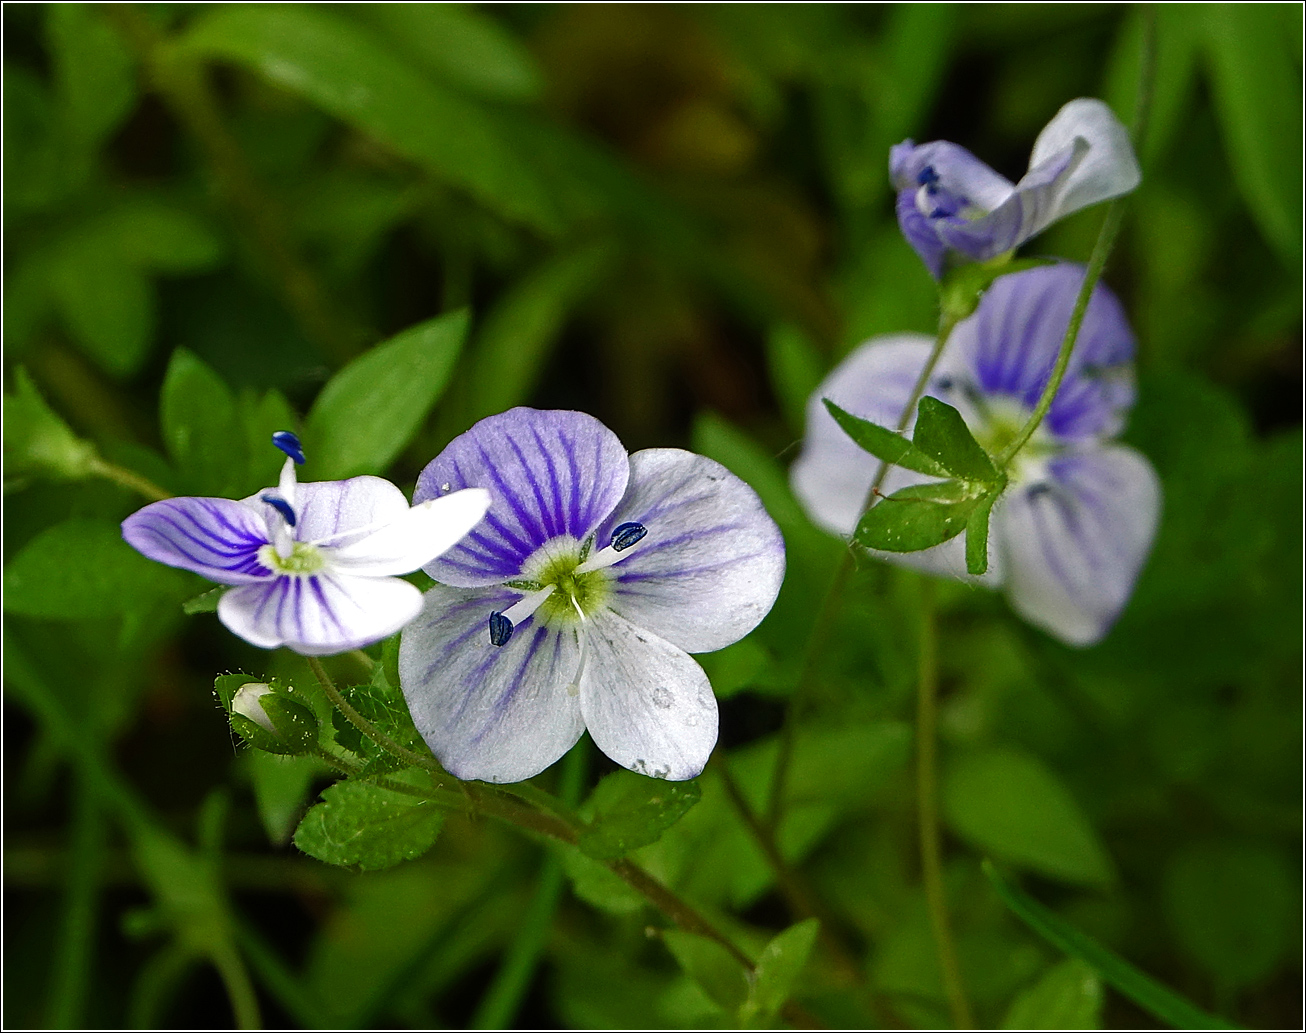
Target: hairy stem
x,y
927,811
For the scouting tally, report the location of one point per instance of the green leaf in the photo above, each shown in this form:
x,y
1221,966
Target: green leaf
x,y
383,704
1177,35
36,441
459,46
711,966
160,237
80,569
1007,803
1253,78
886,445
200,427
107,303
942,435
359,825
777,970
595,884
1229,905
1069,996
796,369
37,169
281,786
370,410
94,74
632,811
918,517
344,69
1147,993
977,535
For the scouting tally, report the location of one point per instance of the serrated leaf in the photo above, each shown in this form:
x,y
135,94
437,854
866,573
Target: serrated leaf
x,y
1009,804
1069,996
359,825
370,410
884,444
942,435
777,970
977,536
711,966
632,811
917,517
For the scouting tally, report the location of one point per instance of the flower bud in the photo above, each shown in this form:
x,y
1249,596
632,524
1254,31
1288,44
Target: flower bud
x,y
268,716
246,703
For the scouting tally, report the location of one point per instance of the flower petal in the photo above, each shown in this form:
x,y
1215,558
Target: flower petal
x,y
647,704
1109,168
218,538
959,172
327,511
1009,346
319,614
549,473
1076,542
920,232
711,565
417,537
496,713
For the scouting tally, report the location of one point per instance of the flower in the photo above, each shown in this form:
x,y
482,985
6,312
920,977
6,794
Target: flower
x,y
312,564
577,602
247,703
1070,535
951,205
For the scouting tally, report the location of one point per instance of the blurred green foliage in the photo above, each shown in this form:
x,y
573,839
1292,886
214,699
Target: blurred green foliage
x,y
379,223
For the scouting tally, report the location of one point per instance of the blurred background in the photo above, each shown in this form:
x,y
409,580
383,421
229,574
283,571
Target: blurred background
x,y
678,219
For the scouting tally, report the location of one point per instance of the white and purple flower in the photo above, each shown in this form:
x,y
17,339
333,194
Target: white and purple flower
x,y
951,206
1071,533
312,565
577,602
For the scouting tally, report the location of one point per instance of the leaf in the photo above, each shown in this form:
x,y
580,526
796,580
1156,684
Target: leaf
x,y
1228,904
281,786
1069,996
709,965
200,427
348,72
159,237
942,435
595,884
80,569
94,73
36,439
370,410
632,811
917,517
1253,75
796,370
1007,803
977,536
1144,991
777,970
383,705
107,303
360,825
886,445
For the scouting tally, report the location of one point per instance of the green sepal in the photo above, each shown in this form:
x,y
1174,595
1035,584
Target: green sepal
x,y
963,286
942,435
918,517
295,725
632,811
205,602
977,535
884,444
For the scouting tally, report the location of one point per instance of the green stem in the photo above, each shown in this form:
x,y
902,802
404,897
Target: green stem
x,y
240,991
365,726
927,811
120,475
277,978
76,945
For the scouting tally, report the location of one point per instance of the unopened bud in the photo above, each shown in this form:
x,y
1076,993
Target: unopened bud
x,y
246,703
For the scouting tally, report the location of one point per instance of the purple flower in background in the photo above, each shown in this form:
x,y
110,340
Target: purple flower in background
x,y
312,565
950,202
576,603
1070,534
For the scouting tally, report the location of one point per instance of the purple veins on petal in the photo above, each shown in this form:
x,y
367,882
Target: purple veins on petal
x,y
217,538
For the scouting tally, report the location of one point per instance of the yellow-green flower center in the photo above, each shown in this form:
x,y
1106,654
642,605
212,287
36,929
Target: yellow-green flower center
x,y
303,559
555,563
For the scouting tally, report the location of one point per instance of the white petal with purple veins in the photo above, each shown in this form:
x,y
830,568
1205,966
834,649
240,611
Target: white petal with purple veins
x,y
318,614
1108,169
327,511
550,474
418,536
1075,544
711,564
218,538
496,713
647,704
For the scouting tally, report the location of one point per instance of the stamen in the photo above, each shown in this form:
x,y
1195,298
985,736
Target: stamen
x,y
626,535
288,442
504,622
281,506
927,177
573,686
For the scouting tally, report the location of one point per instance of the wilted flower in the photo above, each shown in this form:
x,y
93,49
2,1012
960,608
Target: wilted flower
x,y
951,202
312,564
1070,535
577,602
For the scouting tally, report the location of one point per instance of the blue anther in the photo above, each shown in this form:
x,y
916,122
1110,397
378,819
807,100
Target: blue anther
x,y
1035,490
626,535
944,384
500,629
288,442
281,506
927,177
